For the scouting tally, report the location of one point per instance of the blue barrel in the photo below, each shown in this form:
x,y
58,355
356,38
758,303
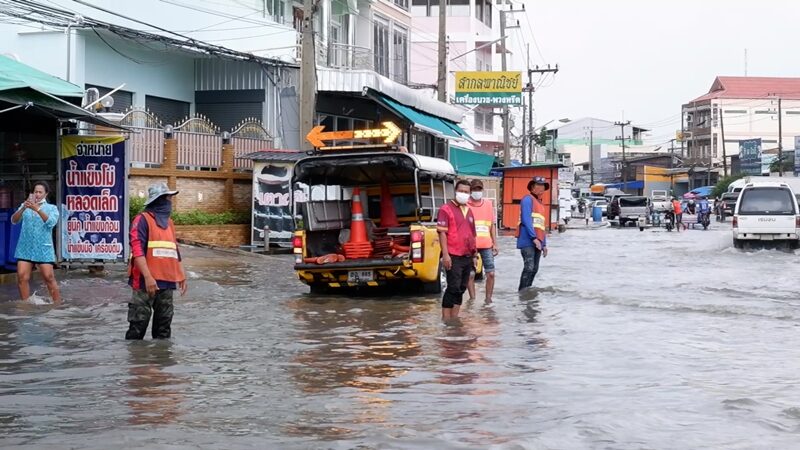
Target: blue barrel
x,y
597,214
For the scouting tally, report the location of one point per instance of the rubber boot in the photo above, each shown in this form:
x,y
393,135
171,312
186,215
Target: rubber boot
x,y
136,330
162,315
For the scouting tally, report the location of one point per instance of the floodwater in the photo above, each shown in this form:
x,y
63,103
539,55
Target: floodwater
x,y
630,340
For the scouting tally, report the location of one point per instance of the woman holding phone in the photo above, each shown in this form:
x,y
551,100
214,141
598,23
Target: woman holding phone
x,y
35,245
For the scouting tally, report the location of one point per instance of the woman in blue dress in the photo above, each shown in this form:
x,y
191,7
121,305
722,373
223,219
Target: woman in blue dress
x,y
35,245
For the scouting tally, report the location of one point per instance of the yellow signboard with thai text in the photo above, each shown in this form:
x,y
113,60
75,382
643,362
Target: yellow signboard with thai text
x,y
489,88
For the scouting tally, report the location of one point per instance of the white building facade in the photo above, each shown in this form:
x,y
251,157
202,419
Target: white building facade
x,y
747,108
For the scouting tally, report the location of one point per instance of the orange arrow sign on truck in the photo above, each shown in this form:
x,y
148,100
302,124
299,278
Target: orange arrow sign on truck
x,y
390,132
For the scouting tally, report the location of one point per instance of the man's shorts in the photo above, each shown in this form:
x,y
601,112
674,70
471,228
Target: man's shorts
x,y
487,258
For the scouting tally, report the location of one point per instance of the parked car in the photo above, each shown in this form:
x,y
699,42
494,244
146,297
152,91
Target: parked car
x,y
728,200
766,212
660,200
632,208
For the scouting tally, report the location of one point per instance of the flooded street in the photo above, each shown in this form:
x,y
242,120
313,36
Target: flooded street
x,y
629,340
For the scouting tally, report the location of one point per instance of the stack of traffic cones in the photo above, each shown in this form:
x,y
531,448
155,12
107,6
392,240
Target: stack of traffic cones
x,y
388,214
358,246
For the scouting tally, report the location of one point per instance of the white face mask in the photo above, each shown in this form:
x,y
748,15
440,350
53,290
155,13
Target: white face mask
x,y
462,198
477,195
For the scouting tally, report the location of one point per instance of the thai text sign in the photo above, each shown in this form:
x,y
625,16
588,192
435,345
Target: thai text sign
x,y
489,88
272,203
93,197
750,156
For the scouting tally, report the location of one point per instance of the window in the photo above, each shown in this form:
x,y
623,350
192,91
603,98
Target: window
x,y
400,57
764,111
792,112
458,8
762,201
380,46
735,111
402,4
484,120
483,11
169,111
419,8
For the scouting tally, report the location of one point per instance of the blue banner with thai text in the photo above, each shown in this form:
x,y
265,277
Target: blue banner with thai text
x,y
93,219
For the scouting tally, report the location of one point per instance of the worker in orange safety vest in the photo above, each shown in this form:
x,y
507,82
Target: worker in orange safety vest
x,y
486,237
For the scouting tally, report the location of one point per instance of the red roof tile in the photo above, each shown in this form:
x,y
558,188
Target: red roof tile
x,y
753,88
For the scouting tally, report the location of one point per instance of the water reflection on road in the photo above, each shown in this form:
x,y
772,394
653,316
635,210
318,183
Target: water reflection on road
x,y
629,340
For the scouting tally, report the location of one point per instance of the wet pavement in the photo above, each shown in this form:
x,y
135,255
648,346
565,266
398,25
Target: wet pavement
x,y
629,340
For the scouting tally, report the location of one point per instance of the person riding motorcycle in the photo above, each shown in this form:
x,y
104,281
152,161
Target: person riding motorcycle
x,y
703,209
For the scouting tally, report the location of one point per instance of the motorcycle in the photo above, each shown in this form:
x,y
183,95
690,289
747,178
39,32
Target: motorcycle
x,y
704,218
669,220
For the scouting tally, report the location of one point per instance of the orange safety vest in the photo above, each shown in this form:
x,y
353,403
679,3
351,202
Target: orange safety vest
x,y
538,212
484,219
162,251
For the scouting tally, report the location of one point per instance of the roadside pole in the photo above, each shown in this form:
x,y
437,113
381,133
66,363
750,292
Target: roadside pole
x,y
441,81
622,126
308,75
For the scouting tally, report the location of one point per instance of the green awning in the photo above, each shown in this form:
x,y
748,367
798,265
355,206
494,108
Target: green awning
x,y
15,75
24,88
437,126
469,162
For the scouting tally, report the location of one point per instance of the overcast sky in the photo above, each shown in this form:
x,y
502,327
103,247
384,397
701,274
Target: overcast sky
x,y
646,58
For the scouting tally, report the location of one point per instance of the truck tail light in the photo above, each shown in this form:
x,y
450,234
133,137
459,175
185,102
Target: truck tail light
x,y
735,222
297,249
417,247
797,221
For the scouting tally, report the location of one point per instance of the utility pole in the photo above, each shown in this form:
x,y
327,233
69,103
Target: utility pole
x,y
525,137
622,126
671,166
722,132
780,139
504,67
442,78
308,75
530,95
591,157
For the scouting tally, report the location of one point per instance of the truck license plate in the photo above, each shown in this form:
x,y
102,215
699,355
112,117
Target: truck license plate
x,y
360,276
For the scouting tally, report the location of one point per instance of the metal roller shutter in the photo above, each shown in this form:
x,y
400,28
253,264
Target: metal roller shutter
x,y
167,110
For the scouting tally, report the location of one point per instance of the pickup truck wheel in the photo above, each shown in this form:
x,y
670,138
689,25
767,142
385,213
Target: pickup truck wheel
x,y
437,286
738,243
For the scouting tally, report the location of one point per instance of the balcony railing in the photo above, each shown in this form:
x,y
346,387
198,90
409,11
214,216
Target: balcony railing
x,y
351,57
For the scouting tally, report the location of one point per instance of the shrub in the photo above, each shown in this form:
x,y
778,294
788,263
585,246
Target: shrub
x,y
722,186
204,218
135,206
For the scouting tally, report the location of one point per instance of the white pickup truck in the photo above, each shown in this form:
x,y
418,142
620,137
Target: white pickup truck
x,y
660,201
766,211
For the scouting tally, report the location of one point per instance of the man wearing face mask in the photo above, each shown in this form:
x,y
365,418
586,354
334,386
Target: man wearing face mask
x,y
456,227
532,233
486,237
155,270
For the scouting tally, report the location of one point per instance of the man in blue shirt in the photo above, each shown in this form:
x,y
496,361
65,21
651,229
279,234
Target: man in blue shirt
x,y
532,232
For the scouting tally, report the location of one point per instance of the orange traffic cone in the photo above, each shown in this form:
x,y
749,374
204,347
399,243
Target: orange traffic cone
x,y
358,246
388,214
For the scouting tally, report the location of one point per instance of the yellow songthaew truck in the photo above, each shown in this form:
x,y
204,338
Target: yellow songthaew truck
x,y
323,185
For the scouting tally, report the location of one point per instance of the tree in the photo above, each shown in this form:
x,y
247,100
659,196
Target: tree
x,y
541,139
722,186
788,165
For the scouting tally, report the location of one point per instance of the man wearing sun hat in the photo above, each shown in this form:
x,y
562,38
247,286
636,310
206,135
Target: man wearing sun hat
x,y
155,270
532,232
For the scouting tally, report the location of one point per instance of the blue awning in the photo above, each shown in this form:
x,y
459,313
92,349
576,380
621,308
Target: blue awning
x,y
437,126
628,185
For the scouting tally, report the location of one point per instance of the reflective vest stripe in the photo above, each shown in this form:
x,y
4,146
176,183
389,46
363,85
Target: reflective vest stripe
x,y
161,244
538,220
